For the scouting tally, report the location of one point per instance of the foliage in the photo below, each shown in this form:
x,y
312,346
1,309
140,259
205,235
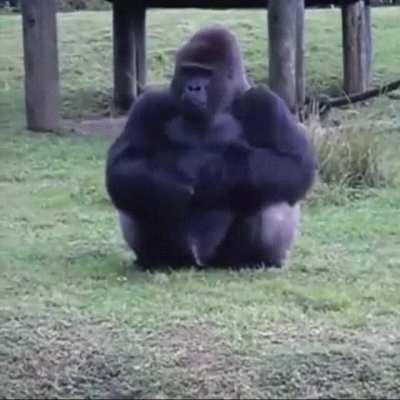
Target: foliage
x,y
350,154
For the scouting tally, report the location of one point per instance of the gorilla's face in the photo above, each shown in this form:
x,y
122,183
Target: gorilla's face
x,y
208,75
202,91
194,96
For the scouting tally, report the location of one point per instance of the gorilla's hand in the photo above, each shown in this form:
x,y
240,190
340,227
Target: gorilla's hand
x,y
163,194
211,184
282,162
242,196
228,181
174,195
222,173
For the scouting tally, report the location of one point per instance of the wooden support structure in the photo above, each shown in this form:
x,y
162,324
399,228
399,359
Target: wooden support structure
x,y
224,4
300,51
282,24
356,50
286,50
42,96
139,25
129,33
125,88
368,27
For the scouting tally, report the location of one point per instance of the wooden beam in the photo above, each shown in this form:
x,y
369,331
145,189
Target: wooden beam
x,y
300,49
124,56
355,59
282,49
139,25
224,4
42,93
326,104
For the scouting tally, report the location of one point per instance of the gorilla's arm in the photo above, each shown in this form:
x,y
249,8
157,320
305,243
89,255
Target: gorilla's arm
x,y
134,180
278,163
272,163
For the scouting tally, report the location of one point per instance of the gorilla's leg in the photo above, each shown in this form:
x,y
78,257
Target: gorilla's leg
x,y
193,242
202,233
130,230
263,238
279,225
152,242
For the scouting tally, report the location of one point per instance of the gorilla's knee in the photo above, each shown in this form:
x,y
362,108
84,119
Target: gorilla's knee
x,y
278,231
129,228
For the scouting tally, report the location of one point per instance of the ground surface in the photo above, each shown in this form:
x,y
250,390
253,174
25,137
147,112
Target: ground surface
x,y
78,320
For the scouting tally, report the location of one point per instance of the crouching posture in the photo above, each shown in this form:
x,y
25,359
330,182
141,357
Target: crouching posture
x,y
210,171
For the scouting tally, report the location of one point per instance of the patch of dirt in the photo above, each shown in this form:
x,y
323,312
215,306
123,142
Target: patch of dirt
x,y
201,364
68,357
320,362
301,335
41,358
73,357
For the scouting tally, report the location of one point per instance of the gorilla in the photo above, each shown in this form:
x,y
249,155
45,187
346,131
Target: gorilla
x,y
210,171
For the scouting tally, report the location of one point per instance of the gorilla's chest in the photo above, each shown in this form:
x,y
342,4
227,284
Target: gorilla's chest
x,y
224,129
190,147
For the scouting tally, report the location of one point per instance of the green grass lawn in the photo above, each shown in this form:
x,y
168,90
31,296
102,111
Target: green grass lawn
x,y
78,320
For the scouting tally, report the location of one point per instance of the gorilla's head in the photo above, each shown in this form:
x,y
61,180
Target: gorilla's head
x,y
209,74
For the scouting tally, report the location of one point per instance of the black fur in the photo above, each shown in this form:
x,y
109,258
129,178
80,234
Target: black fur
x,y
196,184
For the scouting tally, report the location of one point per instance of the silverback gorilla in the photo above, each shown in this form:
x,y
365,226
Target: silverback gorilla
x,y
210,171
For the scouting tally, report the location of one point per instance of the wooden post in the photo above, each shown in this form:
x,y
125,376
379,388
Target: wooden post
x,y
355,58
140,44
282,49
124,55
42,93
300,49
368,27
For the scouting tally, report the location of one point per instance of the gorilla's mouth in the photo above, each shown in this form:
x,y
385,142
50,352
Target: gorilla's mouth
x,y
194,107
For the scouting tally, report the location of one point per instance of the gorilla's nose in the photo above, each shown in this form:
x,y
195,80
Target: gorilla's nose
x,y
194,88
196,94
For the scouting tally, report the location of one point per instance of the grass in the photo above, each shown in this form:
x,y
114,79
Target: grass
x,y
78,320
350,155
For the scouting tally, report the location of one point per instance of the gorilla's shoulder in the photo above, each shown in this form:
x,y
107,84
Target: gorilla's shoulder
x,y
156,94
155,103
259,101
262,94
